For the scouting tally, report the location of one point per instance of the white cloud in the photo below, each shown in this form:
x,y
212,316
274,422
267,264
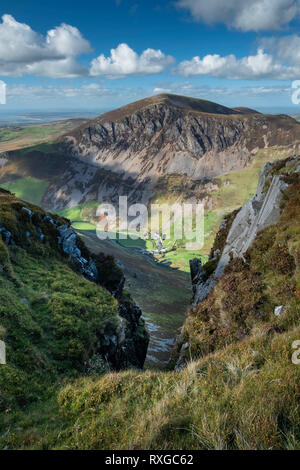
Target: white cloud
x,y
159,90
245,15
67,40
259,66
286,48
64,68
23,51
200,90
125,61
26,92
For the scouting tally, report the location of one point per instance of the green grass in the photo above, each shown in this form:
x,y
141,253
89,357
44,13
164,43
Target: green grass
x,y
51,318
83,216
83,226
244,397
46,147
34,132
30,189
240,389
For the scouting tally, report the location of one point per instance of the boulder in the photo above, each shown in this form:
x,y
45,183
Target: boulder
x,y
6,235
27,211
69,241
49,220
278,311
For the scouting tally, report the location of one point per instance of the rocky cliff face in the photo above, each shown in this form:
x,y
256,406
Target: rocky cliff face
x,y
253,271
259,212
127,150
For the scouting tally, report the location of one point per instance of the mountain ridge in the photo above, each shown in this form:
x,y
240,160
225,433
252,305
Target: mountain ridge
x,y
164,134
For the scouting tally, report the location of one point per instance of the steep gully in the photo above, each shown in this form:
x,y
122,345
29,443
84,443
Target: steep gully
x,y
162,293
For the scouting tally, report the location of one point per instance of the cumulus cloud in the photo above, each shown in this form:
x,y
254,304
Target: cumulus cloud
x,y
286,48
245,15
259,66
125,61
67,40
23,51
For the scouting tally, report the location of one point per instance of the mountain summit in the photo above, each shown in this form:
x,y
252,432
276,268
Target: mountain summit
x,y
184,102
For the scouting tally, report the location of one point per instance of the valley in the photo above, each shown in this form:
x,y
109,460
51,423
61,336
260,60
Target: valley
x,y
150,230
41,172
163,293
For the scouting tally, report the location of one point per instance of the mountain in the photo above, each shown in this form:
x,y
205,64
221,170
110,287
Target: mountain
x,y
63,311
127,151
165,134
237,386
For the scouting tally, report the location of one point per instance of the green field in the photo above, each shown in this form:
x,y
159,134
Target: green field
x,y
45,147
29,189
35,132
26,136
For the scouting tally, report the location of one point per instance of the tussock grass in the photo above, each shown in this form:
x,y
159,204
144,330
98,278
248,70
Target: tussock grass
x,y
243,397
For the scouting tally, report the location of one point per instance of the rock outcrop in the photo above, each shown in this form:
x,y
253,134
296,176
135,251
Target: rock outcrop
x,y
258,213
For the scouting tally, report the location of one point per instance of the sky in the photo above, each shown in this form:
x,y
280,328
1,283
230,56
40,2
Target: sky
x,y
98,55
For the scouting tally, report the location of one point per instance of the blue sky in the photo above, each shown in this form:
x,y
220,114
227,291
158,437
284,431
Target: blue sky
x,y
102,54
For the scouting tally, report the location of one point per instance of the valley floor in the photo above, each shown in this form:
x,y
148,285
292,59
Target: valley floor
x,y
163,293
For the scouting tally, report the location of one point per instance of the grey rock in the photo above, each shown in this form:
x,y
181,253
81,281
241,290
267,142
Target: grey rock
x,y
181,361
259,212
198,274
40,234
6,235
202,290
27,211
49,220
201,283
278,311
121,265
69,241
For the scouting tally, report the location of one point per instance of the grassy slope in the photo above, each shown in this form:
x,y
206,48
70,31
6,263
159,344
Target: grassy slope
x,y
244,397
29,189
50,315
241,391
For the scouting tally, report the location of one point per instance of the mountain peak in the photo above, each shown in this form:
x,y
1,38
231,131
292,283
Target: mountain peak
x,y
176,101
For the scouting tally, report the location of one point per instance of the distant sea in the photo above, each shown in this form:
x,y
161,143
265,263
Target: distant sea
x,y
14,118
22,118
